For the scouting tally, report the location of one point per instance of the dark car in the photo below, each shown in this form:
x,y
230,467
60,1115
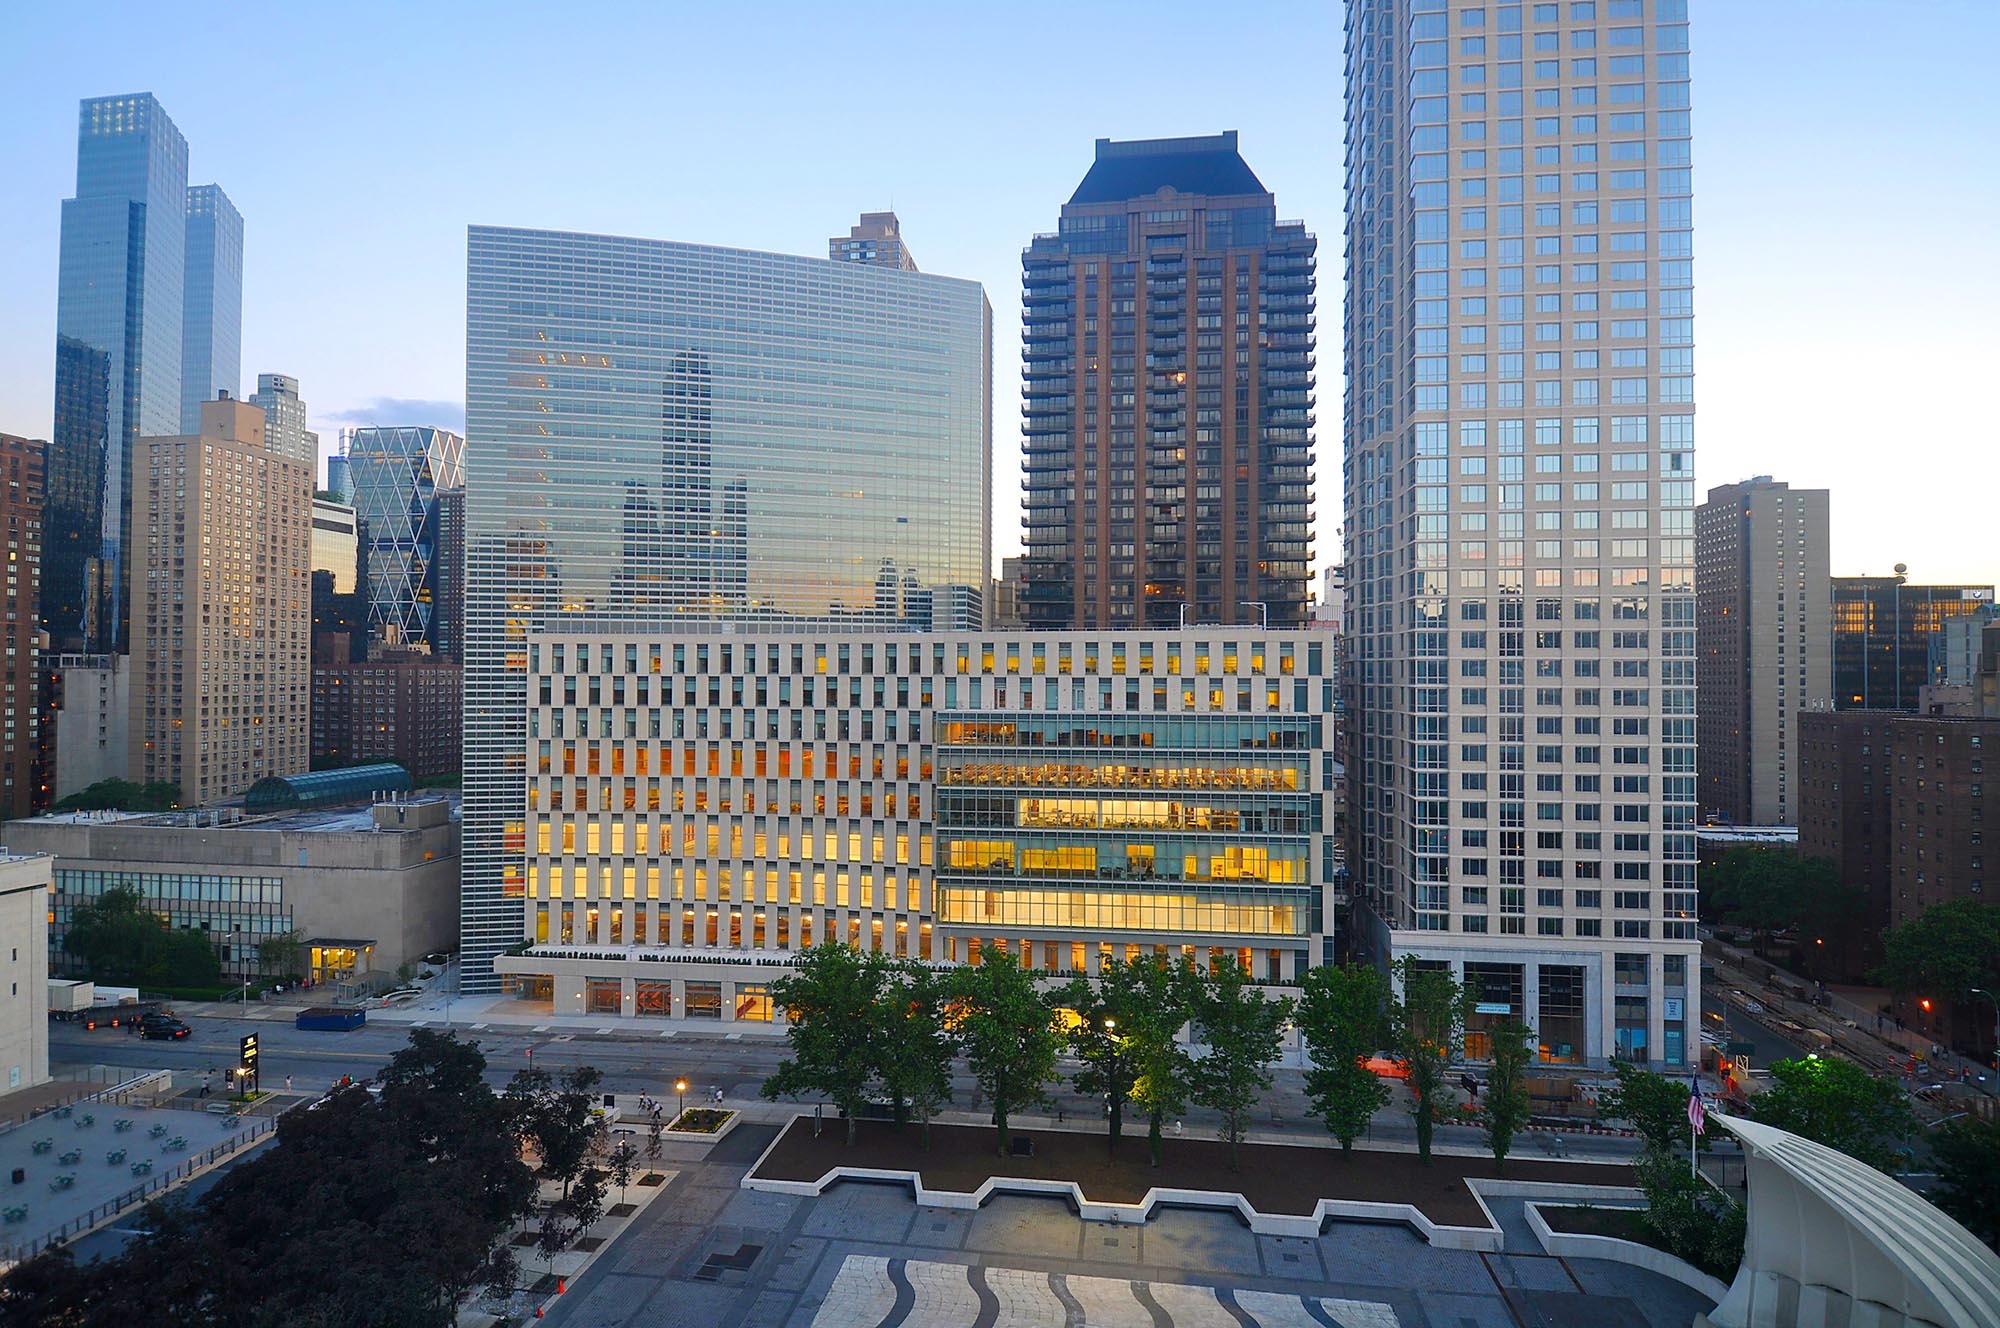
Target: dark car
x,y
164,1029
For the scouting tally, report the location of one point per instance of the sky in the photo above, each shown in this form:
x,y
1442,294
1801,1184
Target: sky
x,y
1847,192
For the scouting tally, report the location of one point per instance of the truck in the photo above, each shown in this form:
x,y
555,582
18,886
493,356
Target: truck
x,y
331,1018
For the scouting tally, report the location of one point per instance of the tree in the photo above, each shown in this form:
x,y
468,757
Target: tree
x,y
1112,1023
1427,1019
123,795
1696,1221
832,1006
1343,1015
916,1048
283,955
555,1115
364,1212
117,937
1772,889
1652,1104
1008,1033
1967,1155
1241,1030
1507,1091
1945,951
623,1159
1159,1006
1837,1103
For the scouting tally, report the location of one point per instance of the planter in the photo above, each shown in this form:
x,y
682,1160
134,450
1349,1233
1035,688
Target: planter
x,y
1578,1245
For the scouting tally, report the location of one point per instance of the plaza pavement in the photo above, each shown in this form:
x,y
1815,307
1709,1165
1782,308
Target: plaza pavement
x,y
713,1255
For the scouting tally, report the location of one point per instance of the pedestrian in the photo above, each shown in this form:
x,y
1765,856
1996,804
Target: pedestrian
x,y
288,1083
204,1081
1177,1129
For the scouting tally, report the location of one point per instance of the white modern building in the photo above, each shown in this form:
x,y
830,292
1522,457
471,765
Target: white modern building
x,y
24,970
701,808
1519,488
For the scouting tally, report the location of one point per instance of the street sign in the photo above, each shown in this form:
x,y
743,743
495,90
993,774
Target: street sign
x,y
247,1057
1739,1047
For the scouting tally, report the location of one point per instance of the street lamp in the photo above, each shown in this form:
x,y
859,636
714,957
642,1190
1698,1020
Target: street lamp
x,y
1110,1080
681,1087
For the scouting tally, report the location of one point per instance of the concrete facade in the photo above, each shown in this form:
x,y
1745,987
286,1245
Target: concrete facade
x,y
24,970
222,616
718,803
1765,634
91,706
384,877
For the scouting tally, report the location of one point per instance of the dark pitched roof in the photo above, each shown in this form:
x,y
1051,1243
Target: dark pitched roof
x,y
1190,165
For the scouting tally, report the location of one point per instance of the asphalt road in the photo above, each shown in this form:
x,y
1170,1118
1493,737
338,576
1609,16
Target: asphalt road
x,y
649,1063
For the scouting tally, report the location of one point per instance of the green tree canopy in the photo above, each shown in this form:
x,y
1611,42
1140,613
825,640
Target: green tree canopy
x,y
1651,1104
1427,1019
1240,1028
1506,1109
833,1006
1344,1016
1967,1156
1008,1031
123,795
1837,1103
915,1047
364,1213
555,1115
1158,1003
119,940
1945,951
1119,1019
1771,889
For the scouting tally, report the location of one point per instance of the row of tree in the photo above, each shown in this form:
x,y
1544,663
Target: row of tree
x,y
863,1027
386,1212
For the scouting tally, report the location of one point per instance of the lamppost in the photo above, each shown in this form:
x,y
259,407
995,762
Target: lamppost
x,y
681,1087
1110,1081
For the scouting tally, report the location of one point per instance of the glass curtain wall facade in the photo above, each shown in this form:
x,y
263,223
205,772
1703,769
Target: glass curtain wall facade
x,y
1883,631
212,302
1520,508
1167,337
118,356
396,475
680,436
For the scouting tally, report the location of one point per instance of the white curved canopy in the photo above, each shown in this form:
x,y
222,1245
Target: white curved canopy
x,y
1834,1241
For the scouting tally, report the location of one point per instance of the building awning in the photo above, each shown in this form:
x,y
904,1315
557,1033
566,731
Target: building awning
x,y
1825,1225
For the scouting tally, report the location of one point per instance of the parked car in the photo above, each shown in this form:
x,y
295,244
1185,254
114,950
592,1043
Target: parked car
x,y
437,957
164,1029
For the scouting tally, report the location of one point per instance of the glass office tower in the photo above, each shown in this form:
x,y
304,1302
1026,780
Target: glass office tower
x,y
396,475
681,436
1520,510
118,356
212,303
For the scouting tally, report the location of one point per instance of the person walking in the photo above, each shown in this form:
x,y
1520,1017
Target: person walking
x,y
288,1083
204,1081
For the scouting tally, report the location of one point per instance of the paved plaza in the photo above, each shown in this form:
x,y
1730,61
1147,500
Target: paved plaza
x,y
713,1255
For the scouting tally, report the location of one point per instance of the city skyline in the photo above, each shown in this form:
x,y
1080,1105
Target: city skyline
x,y
973,187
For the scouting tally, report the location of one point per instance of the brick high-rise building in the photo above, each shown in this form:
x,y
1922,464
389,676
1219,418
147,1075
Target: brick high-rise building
x,y
221,619
1765,642
22,474
1168,346
877,241
399,705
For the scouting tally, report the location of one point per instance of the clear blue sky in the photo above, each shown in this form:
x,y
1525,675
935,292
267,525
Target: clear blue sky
x,y
1847,178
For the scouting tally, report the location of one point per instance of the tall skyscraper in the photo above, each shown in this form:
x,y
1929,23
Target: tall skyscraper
x,y
1519,487
1167,337
670,435
285,429
212,302
448,576
877,241
1765,638
21,756
396,474
222,618
118,355
1883,633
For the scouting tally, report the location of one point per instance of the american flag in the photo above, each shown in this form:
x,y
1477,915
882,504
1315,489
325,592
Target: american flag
x,y
1697,1111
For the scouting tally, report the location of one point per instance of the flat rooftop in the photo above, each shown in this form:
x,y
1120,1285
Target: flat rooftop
x,y
349,817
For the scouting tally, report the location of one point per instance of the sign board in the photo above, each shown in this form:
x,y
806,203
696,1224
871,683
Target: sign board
x,y
1674,1008
1740,1048
1493,1007
247,1057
